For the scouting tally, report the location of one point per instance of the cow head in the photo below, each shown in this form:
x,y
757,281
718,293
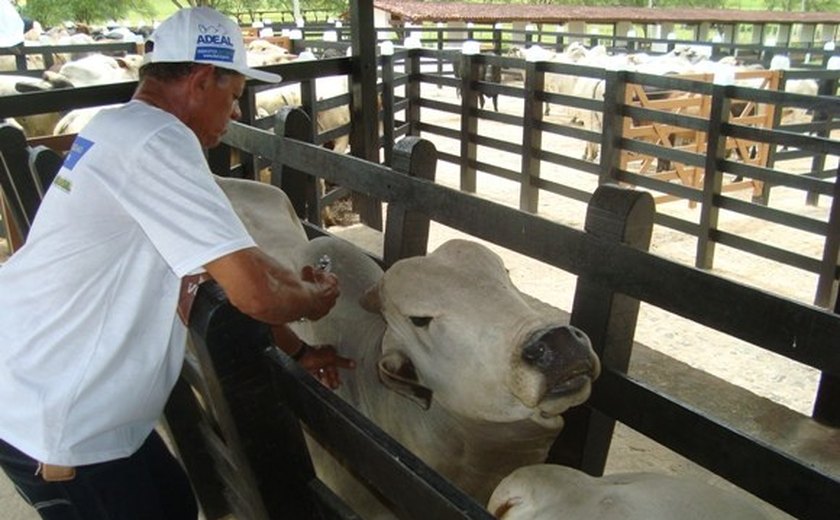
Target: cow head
x,y
461,336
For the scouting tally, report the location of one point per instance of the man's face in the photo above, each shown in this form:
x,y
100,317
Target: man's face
x,y
214,104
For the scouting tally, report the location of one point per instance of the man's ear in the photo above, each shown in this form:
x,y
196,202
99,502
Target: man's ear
x,y
201,78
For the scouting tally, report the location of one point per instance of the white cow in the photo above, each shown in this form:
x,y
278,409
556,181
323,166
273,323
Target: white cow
x,y
73,122
262,53
456,364
268,215
35,124
96,69
549,492
453,361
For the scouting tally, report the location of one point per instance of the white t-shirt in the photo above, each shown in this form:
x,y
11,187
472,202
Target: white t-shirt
x,y
11,25
90,345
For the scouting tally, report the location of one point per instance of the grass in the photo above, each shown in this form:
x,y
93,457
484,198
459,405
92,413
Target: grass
x,y
160,8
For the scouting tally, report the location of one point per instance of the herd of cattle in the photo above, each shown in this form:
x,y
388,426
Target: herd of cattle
x,y
413,331
99,69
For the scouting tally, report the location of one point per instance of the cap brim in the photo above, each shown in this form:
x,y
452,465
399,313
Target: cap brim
x,y
261,75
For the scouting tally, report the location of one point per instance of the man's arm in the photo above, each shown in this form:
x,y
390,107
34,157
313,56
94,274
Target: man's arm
x,y
262,288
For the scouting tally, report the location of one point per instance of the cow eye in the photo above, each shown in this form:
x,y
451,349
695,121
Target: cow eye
x,y
421,321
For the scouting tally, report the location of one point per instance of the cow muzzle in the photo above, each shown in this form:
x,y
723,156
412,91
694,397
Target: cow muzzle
x,y
564,356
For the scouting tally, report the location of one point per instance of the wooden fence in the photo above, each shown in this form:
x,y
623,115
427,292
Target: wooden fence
x,y
781,143
797,472
406,73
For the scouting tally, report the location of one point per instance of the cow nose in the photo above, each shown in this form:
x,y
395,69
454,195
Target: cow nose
x,y
561,353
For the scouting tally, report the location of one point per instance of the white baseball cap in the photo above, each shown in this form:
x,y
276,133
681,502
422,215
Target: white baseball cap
x,y
203,35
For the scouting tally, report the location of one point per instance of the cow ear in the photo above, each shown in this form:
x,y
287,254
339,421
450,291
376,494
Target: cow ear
x,y
370,300
397,373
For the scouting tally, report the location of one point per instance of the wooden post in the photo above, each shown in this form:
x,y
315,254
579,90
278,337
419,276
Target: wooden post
x,y
439,45
255,441
827,87
412,91
772,148
388,108
827,403
408,232
609,318
248,106
712,178
827,287
364,136
559,38
469,122
615,91
20,58
300,187
497,42
529,194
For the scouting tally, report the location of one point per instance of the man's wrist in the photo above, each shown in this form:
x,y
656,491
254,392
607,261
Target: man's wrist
x,y
301,351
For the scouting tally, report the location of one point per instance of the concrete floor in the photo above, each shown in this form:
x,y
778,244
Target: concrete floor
x,y
12,506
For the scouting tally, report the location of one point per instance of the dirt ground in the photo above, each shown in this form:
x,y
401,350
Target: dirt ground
x,y
764,374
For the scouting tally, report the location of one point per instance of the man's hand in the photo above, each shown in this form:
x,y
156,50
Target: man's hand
x,y
323,363
324,291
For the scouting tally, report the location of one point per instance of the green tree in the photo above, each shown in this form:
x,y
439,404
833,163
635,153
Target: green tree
x,y
261,5
803,5
51,12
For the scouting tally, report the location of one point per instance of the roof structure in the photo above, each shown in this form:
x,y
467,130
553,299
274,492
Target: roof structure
x,y
416,11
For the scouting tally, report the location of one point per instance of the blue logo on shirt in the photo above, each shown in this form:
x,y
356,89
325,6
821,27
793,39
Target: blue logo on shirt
x,y
77,151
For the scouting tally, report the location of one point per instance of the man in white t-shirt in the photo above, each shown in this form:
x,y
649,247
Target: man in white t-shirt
x,y
11,25
90,343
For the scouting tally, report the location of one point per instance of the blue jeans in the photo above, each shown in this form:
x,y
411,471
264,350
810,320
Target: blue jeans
x,y
150,484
